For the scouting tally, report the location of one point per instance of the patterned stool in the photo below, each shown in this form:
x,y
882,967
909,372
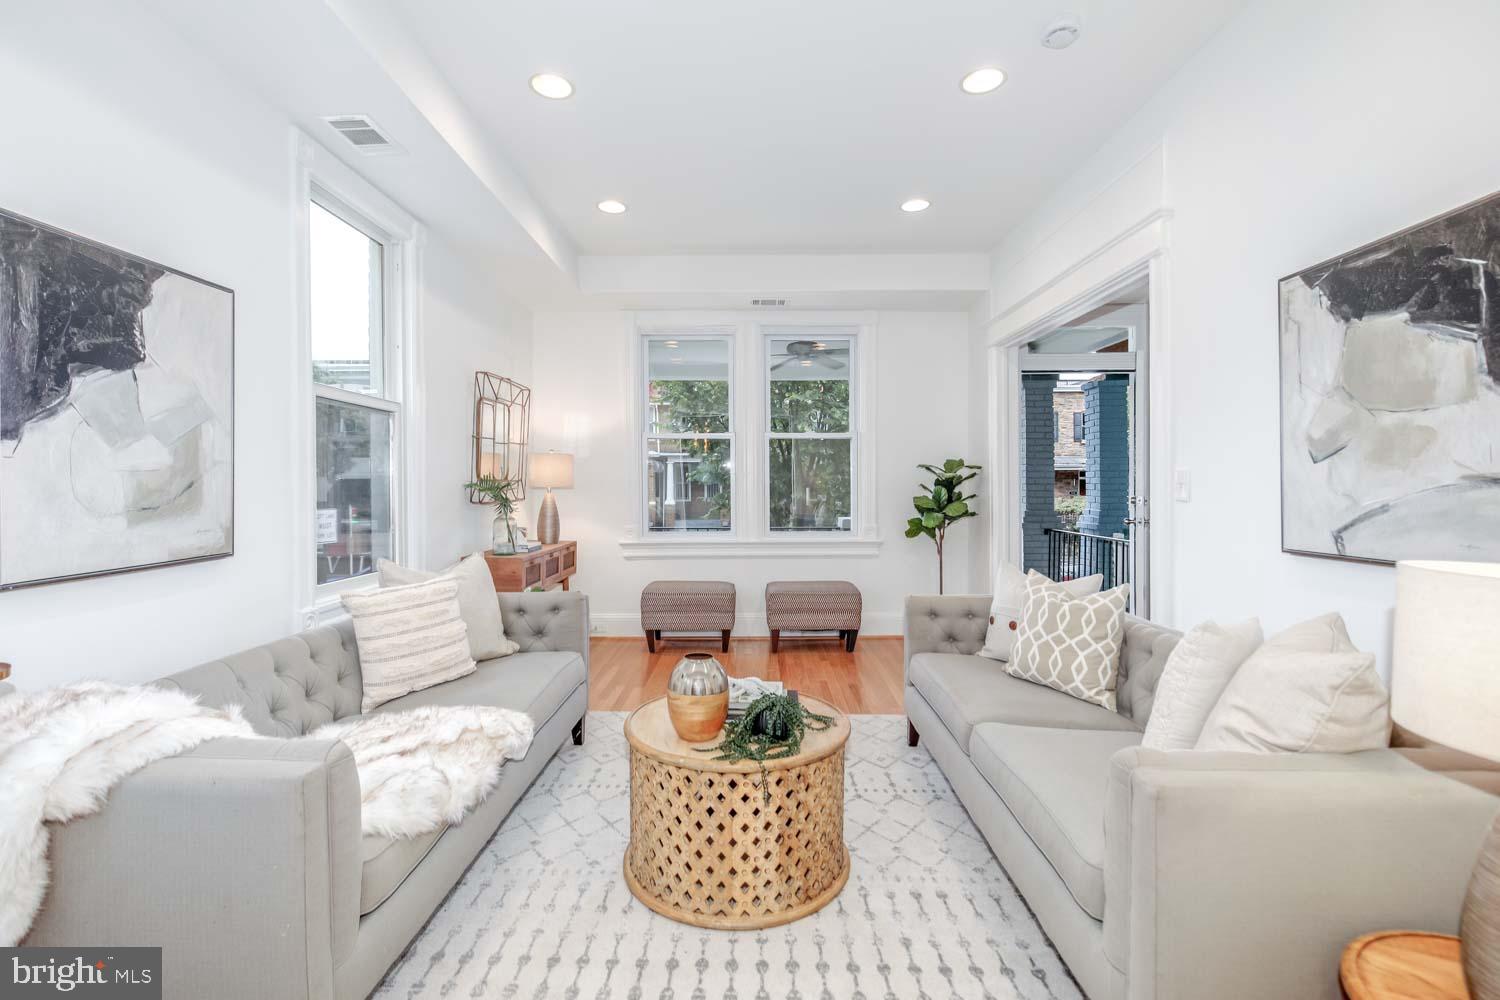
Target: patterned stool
x,y
687,606
813,606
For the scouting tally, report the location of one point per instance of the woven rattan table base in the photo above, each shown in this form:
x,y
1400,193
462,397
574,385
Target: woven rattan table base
x,y
707,849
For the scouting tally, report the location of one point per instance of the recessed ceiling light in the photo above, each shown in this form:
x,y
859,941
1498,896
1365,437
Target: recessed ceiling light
x,y
916,205
982,81
552,86
610,206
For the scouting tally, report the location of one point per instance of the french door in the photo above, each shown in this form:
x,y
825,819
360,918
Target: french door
x,y
1084,466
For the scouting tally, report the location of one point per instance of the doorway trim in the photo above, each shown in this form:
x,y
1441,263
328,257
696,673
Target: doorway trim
x,y
1141,252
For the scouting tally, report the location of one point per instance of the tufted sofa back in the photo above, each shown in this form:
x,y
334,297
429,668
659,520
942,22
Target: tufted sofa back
x,y
1143,654
957,624
288,687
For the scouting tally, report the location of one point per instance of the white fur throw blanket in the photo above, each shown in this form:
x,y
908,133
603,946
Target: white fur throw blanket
x,y
63,749
426,767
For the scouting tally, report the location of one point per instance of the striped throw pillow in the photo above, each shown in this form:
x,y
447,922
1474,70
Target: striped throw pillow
x,y
409,638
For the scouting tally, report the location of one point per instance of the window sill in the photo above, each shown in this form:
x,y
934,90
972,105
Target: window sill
x,y
327,604
731,548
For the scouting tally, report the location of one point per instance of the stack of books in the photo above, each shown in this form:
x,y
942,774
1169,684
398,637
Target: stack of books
x,y
744,690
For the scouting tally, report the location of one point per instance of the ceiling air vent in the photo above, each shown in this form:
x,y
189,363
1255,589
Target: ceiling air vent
x,y
363,134
768,302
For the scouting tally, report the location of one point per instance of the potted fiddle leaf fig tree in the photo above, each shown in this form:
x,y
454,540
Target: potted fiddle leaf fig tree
x,y
942,503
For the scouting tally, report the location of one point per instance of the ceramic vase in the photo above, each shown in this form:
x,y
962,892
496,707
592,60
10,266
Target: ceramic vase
x,y
698,698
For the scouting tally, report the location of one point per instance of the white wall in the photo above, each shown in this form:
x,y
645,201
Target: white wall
x,y
582,402
1300,131
145,146
469,326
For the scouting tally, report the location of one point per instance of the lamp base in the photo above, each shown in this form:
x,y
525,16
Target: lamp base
x,y
547,528
1479,929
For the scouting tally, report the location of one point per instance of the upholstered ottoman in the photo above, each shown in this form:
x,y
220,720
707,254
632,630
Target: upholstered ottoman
x,y
813,606
687,606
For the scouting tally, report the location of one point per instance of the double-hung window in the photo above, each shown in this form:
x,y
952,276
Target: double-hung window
x,y
689,434
810,446
356,393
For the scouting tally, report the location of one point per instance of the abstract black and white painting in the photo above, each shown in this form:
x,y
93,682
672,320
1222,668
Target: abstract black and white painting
x,y
116,410
1390,396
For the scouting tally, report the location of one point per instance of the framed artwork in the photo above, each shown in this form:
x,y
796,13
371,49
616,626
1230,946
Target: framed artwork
x,y
1390,396
116,410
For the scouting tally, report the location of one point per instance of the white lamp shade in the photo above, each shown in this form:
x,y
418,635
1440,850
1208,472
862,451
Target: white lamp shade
x,y
552,469
1445,678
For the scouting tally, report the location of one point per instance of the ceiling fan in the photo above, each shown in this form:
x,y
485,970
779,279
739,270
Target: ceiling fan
x,y
811,353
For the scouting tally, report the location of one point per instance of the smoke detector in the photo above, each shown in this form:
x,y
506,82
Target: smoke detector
x,y
361,132
1062,32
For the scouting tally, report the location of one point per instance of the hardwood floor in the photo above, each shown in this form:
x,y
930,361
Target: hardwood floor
x,y
622,674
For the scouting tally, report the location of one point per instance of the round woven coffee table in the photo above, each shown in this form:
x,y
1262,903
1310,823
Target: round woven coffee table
x,y
706,848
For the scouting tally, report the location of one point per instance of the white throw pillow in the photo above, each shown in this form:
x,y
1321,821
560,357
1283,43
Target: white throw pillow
x,y
1196,673
1306,690
476,601
1071,643
409,638
1005,608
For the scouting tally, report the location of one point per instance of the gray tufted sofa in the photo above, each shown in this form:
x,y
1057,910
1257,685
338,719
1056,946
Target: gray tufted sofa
x,y
1179,876
243,859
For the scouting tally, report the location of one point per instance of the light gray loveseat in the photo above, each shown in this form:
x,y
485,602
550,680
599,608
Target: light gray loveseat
x,y
1186,875
243,858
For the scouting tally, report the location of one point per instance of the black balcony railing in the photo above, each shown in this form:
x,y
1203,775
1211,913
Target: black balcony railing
x,y
1073,554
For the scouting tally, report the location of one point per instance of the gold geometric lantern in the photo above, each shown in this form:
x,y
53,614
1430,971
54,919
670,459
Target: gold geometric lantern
x,y
502,423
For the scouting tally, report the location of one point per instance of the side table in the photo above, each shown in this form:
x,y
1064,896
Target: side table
x,y
1403,965
705,847
549,565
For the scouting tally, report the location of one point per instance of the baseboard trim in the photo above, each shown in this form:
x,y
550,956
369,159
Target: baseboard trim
x,y
872,625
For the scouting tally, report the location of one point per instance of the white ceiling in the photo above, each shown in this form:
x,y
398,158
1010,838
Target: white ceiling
x,y
796,126
764,149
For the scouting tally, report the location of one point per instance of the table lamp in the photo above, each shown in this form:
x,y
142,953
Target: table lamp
x,y
1445,686
553,470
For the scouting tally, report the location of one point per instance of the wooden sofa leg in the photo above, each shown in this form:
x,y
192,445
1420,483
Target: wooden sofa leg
x,y
650,640
912,736
724,640
578,733
775,639
853,634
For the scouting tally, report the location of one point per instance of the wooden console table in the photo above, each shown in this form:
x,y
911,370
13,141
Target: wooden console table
x,y
548,565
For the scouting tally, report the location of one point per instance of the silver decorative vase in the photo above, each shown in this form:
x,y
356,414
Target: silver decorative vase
x,y
698,697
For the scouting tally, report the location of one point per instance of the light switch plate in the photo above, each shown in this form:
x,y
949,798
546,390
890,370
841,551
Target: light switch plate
x,y
1182,485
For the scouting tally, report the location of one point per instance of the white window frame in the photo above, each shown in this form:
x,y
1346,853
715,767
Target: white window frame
x,y
769,332
750,536
727,336
321,177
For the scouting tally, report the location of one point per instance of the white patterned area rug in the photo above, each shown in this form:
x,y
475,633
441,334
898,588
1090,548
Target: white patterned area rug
x,y
544,911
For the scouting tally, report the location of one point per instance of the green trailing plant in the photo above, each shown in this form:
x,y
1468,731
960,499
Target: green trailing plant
x,y
782,721
501,495
941,504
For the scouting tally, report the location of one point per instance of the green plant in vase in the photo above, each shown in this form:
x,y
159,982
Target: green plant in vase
x,y
941,504
771,728
501,495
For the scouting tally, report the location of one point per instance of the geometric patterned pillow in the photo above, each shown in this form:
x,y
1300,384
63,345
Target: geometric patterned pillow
x,y
1070,643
